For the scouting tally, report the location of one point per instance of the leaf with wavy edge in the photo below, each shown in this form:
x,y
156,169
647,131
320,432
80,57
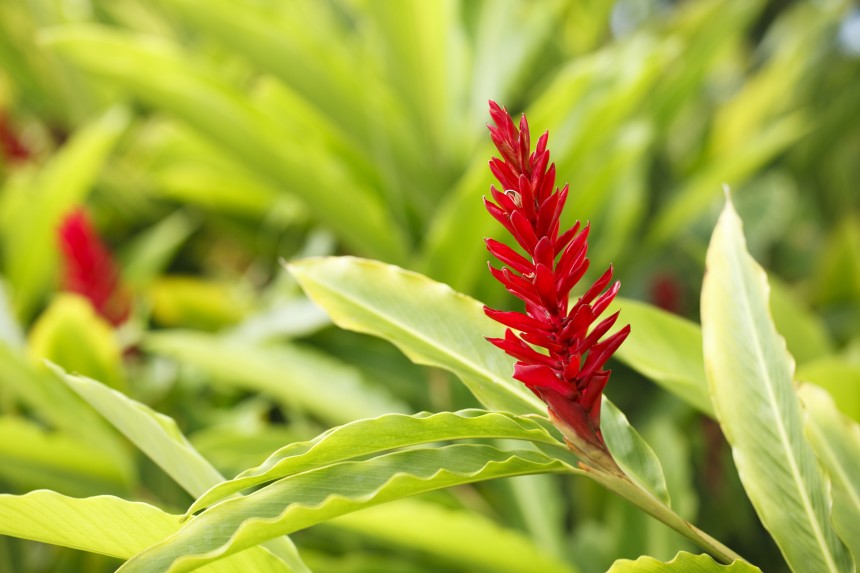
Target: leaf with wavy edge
x,y
308,498
836,441
683,562
750,374
432,324
373,436
159,437
108,525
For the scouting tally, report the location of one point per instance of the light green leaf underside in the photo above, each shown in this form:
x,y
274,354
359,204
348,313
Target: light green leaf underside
x,y
299,501
160,439
750,378
682,563
836,440
297,376
107,525
155,434
432,324
366,437
428,321
463,537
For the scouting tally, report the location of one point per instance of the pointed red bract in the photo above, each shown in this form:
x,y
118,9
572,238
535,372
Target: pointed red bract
x,y
89,269
559,352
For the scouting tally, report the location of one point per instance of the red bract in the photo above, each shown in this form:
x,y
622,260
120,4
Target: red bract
x,y
90,270
11,146
560,355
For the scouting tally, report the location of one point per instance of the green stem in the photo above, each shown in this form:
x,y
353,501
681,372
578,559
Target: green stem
x,y
623,486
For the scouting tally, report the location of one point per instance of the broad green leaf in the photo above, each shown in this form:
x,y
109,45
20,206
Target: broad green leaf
x,y
298,501
71,334
108,525
666,349
367,437
158,72
155,434
32,458
463,538
836,441
682,563
295,375
11,333
631,452
60,186
428,321
159,438
750,375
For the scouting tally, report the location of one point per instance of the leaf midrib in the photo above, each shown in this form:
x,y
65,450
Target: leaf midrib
x,y
781,430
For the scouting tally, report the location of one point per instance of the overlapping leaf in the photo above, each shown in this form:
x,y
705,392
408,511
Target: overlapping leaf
x,y
750,378
367,437
299,501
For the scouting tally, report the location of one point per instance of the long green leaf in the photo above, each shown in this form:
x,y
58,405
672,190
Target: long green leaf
x,y
158,72
108,525
366,437
682,563
159,438
428,321
299,501
836,441
750,377
297,376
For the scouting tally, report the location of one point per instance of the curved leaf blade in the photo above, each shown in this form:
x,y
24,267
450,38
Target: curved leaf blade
x,y
108,525
299,501
373,436
750,377
431,323
682,563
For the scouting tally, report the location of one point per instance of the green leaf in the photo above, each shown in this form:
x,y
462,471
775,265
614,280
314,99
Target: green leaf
x,y
108,525
367,437
155,434
158,72
750,376
805,334
631,452
665,348
159,438
464,538
297,376
60,186
836,441
682,563
298,501
71,334
149,253
428,321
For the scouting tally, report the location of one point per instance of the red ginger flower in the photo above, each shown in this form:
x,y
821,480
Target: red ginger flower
x,y
90,270
569,375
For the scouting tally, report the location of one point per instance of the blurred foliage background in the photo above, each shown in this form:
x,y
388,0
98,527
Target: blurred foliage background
x,y
206,141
